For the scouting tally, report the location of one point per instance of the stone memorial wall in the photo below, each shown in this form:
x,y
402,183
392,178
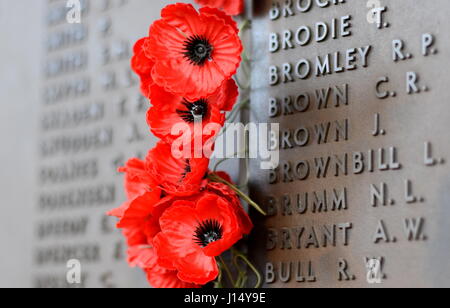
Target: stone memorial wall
x,y
360,88
361,196
92,120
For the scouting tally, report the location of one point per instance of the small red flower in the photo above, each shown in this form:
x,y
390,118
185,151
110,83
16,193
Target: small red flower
x,y
144,213
144,256
193,234
135,237
176,176
139,215
194,53
138,219
142,66
227,193
158,277
226,96
137,179
231,7
170,111
221,190
137,182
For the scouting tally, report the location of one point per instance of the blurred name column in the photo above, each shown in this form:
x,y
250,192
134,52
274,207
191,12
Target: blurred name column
x,y
92,120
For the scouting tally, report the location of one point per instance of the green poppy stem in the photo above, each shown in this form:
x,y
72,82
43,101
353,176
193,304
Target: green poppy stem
x,y
241,256
214,177
226,269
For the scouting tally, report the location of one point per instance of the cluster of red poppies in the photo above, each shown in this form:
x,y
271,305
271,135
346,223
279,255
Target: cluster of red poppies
x,y
177,220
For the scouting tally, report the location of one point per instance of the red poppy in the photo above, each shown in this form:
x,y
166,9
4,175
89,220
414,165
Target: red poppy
x,y
138,254
137,182
231,7
222,190
226,96
227,193
142,66
144,213
194,53
176,176
194,233
144,257
135,237
158,277
142,254
141,212
137,179
170,111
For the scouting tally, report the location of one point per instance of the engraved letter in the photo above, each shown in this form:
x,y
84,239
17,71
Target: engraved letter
x,y
397,47
274,44
411,83
274,79
378,195
427,42
270,274
413,229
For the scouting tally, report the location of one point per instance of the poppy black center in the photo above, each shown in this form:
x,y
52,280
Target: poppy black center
x,y
194,111
197,49
208,232
186,171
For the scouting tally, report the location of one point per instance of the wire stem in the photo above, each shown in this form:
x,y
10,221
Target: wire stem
x,y
227,270
244,25
252,267
214,177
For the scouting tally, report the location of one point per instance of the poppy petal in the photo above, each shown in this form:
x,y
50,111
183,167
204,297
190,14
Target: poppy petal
x,y
137,180
197,268
143,257
179,177
166,279
178,224
216,12
230,7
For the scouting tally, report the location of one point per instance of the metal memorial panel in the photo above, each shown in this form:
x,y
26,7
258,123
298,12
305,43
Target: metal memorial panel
x,y
361,196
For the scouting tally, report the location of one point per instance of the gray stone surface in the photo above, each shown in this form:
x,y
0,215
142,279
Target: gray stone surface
x,y
19,91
